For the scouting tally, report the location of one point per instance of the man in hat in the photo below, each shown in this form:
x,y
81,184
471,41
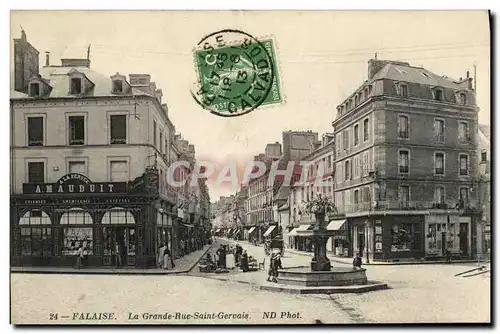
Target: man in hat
x,y
275,264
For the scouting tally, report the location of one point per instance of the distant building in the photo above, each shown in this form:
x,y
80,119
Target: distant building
x,y
406,162
297,144
273,151
484,186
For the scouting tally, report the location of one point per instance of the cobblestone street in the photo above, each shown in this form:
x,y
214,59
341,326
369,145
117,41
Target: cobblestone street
x,y
419,293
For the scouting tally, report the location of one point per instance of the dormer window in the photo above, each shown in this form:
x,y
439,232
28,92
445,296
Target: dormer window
x,y
34,89
438,94
356,100
117,86
76,86
403,90
463,99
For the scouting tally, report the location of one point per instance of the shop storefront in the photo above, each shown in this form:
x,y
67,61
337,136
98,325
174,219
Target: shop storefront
x,y
112,221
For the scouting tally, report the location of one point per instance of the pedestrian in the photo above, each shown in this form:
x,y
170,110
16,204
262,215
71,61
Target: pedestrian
x,y
221,253
168,261
182,247
357,262
448,255
244,262
79,257
118,258
275,264
160,256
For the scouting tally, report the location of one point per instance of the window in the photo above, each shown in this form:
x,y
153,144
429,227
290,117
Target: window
x,y
345,139
356,135
463,132
463,99
161,141
36,236
36,172
404,196
464,194
76,130
338,144
356,100
403,126
76,86
405,238
439,195
439,163
35,131
439,130
438,94
347,170
117,86
484,156
118,216
356,196
119,171
34,89
404,162
77,167
118,125
154,134
464,165
403,90
366,130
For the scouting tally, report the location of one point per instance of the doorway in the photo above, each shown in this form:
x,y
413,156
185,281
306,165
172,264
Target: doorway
x,y
119,246
464,239
361,242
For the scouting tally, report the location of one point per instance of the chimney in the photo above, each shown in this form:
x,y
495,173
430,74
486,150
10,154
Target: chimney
x,y
47,58
26,63
159,95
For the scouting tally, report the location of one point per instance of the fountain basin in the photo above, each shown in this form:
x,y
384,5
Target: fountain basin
x,y
337,276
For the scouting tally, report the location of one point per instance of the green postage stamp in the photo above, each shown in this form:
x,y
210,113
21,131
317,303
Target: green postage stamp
x,y
236,73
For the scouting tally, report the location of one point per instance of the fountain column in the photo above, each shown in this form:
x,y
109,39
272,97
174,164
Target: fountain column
x,y
320,261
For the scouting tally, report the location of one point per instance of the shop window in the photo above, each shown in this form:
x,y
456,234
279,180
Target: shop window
x,y
76,237
36,237
36,172
76,216
35,131
405,237
76,130
118,125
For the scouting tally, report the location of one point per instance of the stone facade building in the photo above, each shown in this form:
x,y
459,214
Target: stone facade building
x,y
89,161
405,147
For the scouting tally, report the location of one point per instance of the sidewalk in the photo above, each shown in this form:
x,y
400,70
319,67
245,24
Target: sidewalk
x,y
182,266
347,260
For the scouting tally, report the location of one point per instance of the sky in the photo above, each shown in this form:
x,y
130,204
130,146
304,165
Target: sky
x,y
321,58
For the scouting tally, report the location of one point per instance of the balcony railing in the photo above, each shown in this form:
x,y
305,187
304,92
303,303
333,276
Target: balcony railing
x,y
439,137
403,206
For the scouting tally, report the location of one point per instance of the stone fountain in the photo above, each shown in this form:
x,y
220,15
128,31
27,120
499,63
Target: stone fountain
x,y
321,277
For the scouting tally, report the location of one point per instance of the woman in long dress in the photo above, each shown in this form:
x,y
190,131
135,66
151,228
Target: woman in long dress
x,y
161,257
168,262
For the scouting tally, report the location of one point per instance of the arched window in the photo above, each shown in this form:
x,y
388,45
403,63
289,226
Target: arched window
x,y
118,215
77,236
36,233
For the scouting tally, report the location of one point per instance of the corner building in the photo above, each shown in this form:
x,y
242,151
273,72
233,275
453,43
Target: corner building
x,y
406,164
89,155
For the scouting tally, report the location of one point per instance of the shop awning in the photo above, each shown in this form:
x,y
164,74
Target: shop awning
x,y
293,233
336,225
188,225
229,230
302,228
218,230
251,230
269,230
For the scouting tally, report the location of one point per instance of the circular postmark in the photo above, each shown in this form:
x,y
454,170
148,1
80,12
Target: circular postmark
x,y
235,73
